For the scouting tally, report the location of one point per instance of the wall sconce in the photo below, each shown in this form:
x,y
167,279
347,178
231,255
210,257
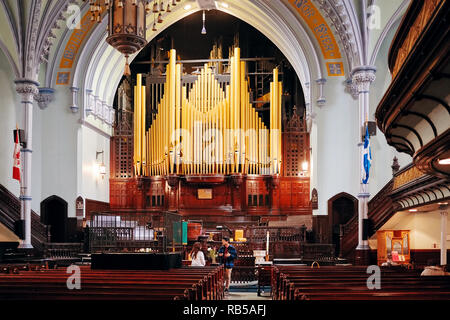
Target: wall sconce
x,y
305,166
304,171
102,167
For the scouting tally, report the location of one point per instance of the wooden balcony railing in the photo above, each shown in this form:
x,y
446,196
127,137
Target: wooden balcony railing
x,y
411,29
10,212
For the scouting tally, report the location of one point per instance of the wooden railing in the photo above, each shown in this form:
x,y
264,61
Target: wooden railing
x,y
62,250
10,212
411,29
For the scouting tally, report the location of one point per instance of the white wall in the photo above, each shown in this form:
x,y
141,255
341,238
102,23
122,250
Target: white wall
x,y
336,162
59,149
93,186
425,229
8,120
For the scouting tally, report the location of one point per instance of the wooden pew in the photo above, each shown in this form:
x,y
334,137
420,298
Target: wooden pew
x,y
350,283
184,283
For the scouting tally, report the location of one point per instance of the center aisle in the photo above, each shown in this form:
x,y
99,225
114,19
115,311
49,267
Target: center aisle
x,y
245,296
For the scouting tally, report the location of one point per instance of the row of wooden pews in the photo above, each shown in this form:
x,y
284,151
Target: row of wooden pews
x,y
350,283
38,283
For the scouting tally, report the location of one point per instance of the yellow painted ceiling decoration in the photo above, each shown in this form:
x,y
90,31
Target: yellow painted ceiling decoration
x,y
305,8
319,27
75,41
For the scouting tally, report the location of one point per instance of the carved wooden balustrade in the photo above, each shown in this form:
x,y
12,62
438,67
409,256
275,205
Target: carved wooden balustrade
x,y
412,27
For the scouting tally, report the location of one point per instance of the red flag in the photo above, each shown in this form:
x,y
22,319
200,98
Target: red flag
x,y
16,156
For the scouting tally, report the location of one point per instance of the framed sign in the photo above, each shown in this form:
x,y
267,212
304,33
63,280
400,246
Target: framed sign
x,y
314,199
204,194
79,205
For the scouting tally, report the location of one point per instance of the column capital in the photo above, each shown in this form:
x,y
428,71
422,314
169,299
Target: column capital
x,y
362,78
27,87
44,97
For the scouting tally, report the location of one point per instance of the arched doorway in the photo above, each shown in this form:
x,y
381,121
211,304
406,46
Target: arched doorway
x,y
341,209
54,214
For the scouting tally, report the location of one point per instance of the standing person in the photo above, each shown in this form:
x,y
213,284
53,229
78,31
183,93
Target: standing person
x,y
228,253
198,258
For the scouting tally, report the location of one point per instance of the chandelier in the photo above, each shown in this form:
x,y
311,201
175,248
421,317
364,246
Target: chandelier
x,y
127,22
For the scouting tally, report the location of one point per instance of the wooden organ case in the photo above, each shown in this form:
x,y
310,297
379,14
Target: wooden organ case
x,y
258,173
393,245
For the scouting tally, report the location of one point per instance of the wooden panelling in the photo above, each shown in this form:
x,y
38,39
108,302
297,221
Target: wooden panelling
x,y
294,194
93,206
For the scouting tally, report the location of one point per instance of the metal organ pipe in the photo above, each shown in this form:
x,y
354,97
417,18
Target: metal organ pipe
x,y
206,114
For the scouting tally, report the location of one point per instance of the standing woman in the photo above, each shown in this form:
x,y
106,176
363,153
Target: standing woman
x,y
198,258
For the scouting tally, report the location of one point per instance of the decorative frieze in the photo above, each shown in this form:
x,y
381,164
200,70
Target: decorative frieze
x,y
407,176
336,11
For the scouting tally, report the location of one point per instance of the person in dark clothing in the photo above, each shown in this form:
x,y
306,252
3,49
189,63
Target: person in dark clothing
x,y
227,253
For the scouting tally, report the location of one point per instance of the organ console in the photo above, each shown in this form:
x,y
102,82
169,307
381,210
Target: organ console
x,y
202,131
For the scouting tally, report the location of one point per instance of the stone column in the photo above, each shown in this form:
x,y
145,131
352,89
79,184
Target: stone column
x,y
444,214
27,89
362,77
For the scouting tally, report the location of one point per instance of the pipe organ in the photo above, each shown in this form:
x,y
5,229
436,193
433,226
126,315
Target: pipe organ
x,y
202,148
208,127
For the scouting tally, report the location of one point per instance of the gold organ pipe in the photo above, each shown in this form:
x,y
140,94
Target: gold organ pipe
x,y
216,126
280,92
228,116
243,104
139,123
272,109
231,103
135,132
178,111
172,109
143,133
225,134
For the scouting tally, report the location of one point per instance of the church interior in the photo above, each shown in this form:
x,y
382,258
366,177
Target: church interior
x,y
296,149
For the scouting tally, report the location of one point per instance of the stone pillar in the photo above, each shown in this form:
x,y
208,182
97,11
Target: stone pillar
x,y
444,214
362,77
27,89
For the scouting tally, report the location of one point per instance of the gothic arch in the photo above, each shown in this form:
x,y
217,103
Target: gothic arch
x,y
93,68
54,214
342,208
